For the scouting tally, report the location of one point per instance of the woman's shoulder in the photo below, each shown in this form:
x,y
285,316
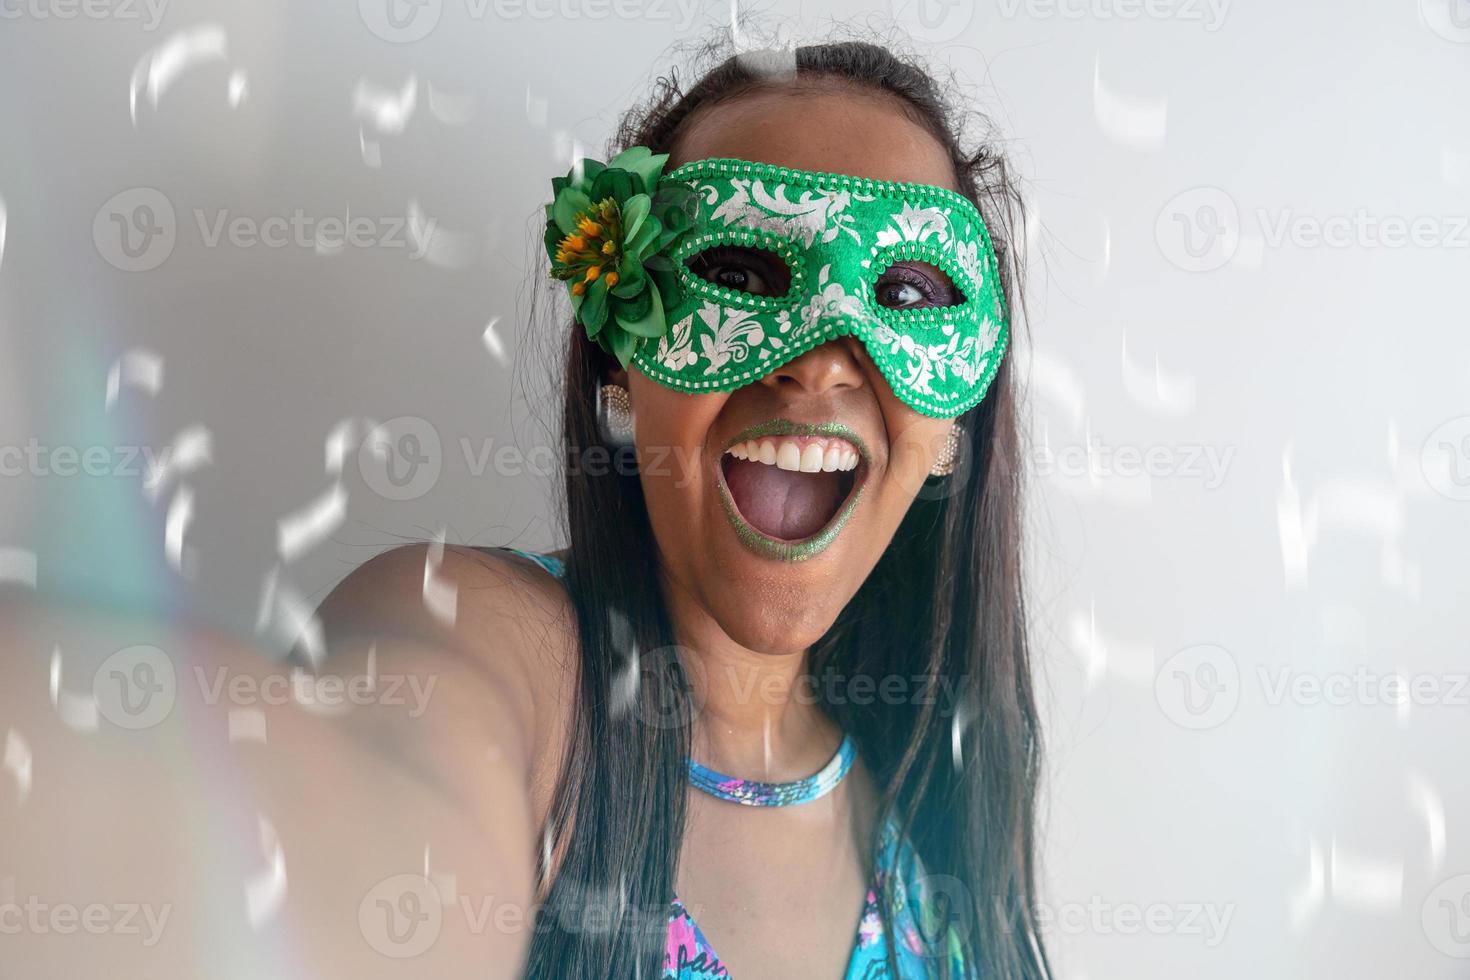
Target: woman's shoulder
x,y
478,599
502,615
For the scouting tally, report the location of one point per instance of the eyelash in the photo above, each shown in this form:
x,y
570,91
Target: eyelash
x,y
935,293
772,271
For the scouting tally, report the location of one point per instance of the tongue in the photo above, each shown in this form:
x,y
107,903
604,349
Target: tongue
x,y
782,503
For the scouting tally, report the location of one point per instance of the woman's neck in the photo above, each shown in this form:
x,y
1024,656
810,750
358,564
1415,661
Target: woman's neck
x,y
755,714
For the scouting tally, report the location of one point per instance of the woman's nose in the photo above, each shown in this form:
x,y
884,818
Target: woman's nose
x,y
832,365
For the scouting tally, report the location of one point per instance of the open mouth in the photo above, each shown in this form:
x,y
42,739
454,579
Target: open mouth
x,y
789,488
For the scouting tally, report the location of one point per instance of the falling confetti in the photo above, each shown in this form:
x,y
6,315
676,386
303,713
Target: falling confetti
x,y
191,449
161,67
625,680
175,526
1054,380
1304,904
1365,883
1161,392
444,882
440,597
300,532
493,342
385,110
451,110
247,725
1102,656
18,762
18,567
1426,800
1130,122
265,891
239,88
372,150
77,712
136,368
446,249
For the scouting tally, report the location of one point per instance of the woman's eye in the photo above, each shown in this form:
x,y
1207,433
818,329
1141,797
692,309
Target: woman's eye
x,y
745,270
915,286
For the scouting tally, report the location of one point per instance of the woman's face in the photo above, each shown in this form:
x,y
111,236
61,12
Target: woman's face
x,y
752,543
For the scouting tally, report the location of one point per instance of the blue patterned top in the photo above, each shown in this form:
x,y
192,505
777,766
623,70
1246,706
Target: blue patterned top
x,y
924,939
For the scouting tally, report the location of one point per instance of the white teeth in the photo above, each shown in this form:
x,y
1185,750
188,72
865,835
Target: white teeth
x,y
789,454
788,457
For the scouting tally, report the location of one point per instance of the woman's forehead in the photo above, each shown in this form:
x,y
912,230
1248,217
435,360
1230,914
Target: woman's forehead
x,y
844,130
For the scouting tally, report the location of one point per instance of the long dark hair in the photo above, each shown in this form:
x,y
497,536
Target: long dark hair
x,y
958,773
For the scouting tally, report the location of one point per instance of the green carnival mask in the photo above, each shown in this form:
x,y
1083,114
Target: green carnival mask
x,y
836,235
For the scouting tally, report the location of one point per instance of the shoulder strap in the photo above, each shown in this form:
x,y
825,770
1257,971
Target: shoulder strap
x,y
553,565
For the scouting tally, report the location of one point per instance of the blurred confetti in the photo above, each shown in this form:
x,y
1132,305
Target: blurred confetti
x,y
161,67
440,596
265,891
624,695
536,110
191,449
1159,391
1366,883
239,88
18,566
299,532
451,110
1426,801
247,725
1137,122
293,618
493,342
446,249
76,711
136,368
444,882
386,110
18,763
1126,660
176,525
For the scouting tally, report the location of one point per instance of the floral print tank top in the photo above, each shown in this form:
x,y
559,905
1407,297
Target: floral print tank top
x,y
922,939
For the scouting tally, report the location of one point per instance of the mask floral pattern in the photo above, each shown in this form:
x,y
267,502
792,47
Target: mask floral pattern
x,y
837,235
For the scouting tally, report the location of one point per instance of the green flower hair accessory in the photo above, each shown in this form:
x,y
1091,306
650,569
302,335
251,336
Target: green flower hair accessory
x,y
608,231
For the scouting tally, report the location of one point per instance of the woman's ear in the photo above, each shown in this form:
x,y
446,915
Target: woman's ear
x,y
616,376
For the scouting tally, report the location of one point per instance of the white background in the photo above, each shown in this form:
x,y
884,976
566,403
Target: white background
x,y
1214,192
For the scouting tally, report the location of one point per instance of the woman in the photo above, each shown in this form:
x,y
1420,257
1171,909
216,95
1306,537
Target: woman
x,y
805,597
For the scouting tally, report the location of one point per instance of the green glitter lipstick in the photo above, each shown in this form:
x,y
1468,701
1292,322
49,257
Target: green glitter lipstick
x,y
826,447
